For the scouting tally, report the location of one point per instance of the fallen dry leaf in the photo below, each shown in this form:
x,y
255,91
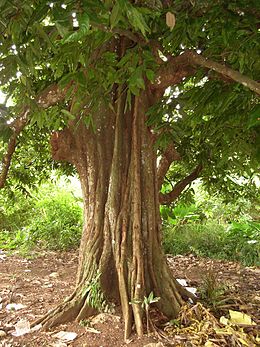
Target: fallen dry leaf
x,y
65,336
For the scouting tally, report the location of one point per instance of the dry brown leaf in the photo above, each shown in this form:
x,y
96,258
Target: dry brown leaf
x,y
170,20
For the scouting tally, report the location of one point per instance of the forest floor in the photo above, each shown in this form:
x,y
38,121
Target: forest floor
x,y
30,287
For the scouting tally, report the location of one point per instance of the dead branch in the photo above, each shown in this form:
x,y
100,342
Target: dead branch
x,y
166,199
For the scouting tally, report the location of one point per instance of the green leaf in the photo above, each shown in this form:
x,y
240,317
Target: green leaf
x,y
5,133
39,13
254,117
137,20
44,35
83,30
88,121
68,114
150,74
23,79
62,30
81,78
115,15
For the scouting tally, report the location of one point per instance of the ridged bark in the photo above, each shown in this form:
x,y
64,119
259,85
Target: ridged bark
x,y
122,232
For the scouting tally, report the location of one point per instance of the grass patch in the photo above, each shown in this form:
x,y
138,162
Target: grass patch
x,y
50,219
236,241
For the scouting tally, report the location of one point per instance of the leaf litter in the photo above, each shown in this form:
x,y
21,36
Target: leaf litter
x,y
22,281
196,326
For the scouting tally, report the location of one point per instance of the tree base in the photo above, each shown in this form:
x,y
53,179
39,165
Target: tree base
x,y
73,308
76,307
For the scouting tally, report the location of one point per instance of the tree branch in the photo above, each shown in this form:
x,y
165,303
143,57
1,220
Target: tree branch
x,y
122,32
17,127
166,199
48,97
167,158
173,71
176,68
224,70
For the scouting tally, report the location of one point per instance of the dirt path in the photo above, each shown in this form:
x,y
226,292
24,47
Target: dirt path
x,y
38,284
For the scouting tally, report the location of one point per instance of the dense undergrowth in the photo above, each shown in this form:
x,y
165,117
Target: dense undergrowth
x,y
233,236
236,241
51,218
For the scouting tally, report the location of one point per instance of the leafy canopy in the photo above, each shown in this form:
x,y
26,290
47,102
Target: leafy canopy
x,y
211,119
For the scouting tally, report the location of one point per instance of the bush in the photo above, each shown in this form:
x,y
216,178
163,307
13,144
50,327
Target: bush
x,y
57,223
199,239
237,241
243,242
50,219
15,211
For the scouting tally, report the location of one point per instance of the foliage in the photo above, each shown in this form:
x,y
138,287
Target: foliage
x,y
103,58
213,228
48,219
215,241
212,291
146,304
211,121
201,239
182,214
33,164
243,242
94,295
15,210
51,218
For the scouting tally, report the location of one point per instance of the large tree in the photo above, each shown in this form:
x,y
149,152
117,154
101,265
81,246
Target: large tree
x,y
120,85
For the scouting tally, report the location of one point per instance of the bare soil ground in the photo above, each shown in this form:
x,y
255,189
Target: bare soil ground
x,y
39,284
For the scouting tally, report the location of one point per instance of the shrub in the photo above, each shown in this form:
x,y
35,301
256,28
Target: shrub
x,y
243,242
237,241
15,211
57,222
199,239
49,219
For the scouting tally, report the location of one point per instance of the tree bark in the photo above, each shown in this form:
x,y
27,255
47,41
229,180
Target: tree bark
x,y
121,243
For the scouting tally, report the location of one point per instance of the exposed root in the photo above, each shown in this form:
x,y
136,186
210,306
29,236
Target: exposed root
x,y
73,308
185,294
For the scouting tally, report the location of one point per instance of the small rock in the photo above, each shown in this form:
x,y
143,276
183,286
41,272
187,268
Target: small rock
x,y
59,344
2,333
36,282
14,307
22,327
47,285
105,317
154,344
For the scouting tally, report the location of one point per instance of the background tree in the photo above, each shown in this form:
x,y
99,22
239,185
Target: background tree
x,y
95,74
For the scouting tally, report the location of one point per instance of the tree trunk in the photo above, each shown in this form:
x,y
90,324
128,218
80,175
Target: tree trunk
x,y
121,258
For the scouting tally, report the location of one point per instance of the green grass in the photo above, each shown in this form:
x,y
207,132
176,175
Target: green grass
x,y
236,241
49,219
